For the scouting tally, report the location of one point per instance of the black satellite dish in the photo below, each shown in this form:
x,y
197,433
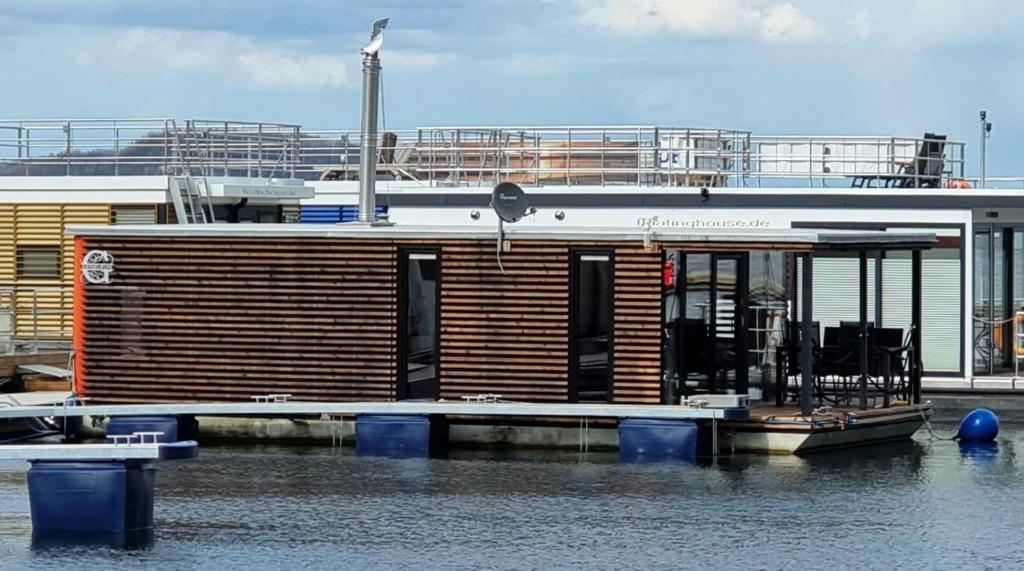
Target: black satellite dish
x,y
509,202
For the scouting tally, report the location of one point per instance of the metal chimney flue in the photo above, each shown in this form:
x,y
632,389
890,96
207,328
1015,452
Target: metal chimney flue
x,y
368,130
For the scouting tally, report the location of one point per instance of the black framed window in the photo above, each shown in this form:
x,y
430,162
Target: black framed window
x,y
38,261
419,307
591,337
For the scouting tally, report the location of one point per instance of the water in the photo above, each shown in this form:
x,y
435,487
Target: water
x,y
917,504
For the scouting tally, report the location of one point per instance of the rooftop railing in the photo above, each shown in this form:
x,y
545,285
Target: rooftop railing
x,y
646,156
146,146
637,156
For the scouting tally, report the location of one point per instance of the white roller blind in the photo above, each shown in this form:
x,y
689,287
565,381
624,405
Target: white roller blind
x,y
940,307
836,293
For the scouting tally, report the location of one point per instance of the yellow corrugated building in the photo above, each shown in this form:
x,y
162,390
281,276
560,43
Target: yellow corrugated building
x,y
37,261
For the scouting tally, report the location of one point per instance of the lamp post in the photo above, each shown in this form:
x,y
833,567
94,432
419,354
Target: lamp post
x,y
986,132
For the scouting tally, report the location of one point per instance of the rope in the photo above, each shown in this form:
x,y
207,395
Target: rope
x,y
997,322
931,432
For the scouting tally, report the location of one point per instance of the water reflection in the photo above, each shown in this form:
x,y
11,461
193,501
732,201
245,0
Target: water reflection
x,y
979,453
63,540
278,507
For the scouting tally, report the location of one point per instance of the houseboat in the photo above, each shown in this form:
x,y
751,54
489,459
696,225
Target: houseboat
x,y
663,177
356,312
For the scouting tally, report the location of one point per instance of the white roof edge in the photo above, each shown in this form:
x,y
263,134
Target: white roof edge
x,y
609,234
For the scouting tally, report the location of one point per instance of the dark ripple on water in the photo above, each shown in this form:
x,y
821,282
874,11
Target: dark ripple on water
x,y
917,504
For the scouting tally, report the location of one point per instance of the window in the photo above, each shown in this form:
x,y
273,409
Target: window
x,y
591,336
134,215
38,261
419,311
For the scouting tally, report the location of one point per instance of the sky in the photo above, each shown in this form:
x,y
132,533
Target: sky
x,y
889,67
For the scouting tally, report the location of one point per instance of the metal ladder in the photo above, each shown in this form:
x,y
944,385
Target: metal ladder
x,y
190,194
191,198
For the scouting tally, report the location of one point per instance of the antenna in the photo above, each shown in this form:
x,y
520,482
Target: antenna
x,y
510,204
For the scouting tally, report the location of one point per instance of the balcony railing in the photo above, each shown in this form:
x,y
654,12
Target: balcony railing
x,y
645,156
34,318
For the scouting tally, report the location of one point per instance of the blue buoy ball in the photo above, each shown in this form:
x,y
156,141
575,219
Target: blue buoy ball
x,y
980,425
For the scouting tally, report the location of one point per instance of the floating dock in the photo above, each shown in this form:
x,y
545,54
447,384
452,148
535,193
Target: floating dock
x,y
758,429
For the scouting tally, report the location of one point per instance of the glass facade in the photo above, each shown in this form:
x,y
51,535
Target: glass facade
x,y
998,296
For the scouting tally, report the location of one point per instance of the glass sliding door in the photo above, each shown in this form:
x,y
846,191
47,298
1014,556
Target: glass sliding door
x,y
994,301
591,340
419,304
712,335
982,305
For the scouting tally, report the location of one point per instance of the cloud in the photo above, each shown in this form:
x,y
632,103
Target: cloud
x,y
413,60
238,59
233,57
860,23
786,24
530,65
774,23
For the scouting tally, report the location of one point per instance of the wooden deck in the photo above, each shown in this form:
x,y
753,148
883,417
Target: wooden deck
x,y
9,363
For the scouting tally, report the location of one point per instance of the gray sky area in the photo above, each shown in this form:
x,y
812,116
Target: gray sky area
x,y
899,67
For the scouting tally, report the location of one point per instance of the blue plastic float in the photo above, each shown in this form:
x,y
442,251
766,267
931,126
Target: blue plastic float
x,y
980,425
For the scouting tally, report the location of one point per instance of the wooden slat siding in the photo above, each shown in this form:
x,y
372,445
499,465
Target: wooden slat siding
x,y
207,319
637,328
222,319
43,225
505,333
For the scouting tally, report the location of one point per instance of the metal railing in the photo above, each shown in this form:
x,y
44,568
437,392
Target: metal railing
x,y
146,146
643,155
537,156
34,318
636,156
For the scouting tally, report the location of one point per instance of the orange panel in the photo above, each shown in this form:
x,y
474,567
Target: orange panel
x,y
78,332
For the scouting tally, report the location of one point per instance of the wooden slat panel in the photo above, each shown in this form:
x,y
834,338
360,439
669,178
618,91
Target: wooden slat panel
x,y
223,319
637,368
505,333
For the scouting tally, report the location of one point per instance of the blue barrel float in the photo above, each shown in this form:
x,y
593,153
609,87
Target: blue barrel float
x,y
401,435
103,496
980,425
656,439
110,496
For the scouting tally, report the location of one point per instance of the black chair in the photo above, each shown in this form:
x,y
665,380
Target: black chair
x,y
696,356
787,357
926,169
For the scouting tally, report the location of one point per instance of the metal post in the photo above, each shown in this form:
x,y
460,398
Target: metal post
x,y
67,147
806,343
986,128
259,151
879,292
983,137
227,148
167,145
368,139
863,330
117,148
296,146
915,325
